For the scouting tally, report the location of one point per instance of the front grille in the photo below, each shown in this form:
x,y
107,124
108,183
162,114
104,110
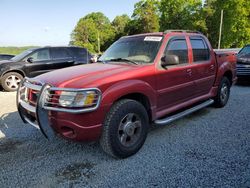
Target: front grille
x,y
52,99
33,96
32,91
243,69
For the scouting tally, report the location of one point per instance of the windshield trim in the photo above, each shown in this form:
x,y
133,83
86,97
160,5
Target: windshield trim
x,y
25,53
139,62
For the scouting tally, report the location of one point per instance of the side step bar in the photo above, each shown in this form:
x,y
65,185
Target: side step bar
x,y
172,118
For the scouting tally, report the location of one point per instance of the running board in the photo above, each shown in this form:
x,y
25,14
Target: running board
x,y
172,118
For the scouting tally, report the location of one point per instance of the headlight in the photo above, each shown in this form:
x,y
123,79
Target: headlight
x,y
78,98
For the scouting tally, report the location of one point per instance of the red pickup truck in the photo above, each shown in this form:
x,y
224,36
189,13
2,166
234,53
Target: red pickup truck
x,y
141,79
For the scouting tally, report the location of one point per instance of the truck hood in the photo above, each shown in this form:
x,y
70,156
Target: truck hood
x,y
89,75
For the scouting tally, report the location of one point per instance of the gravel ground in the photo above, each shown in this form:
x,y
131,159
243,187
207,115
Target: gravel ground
x,y
210,148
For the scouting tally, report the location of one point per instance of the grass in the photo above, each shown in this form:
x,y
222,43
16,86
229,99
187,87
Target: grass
x,y
14,50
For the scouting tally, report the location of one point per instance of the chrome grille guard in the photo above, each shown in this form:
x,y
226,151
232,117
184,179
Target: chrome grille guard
x,y
41,120
40,109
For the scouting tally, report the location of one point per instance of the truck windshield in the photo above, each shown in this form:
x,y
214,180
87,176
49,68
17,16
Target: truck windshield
x,y
138,49
22,55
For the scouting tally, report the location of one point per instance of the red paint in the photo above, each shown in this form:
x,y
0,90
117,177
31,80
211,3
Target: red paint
x,y
167,90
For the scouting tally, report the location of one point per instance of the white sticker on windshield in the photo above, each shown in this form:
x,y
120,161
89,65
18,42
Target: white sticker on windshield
x,y
153,39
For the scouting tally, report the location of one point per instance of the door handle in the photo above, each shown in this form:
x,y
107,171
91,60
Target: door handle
x,y
189,72
211,67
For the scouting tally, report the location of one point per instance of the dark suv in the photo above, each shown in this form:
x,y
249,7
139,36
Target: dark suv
x,y
243,62
36,61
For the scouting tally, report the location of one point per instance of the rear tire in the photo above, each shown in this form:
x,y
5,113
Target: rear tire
x,y
125,129
223,93
11,80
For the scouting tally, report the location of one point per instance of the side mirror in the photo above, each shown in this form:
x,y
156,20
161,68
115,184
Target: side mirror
x,y
93,59
30,60
170,60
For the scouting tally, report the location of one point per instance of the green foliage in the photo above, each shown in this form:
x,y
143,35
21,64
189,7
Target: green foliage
x,y
120,25
145,17
91,28
181,14
236,22
13,50
155,15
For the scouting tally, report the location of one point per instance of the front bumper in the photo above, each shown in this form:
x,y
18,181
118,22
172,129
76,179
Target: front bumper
x,y
69,124
243,69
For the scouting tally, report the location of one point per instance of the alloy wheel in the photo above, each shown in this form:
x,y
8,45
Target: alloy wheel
x,y
12,82
129,130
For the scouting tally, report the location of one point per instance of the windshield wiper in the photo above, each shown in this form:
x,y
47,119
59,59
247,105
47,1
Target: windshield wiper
x,y
125,60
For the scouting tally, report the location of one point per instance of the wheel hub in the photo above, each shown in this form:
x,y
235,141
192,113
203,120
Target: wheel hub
x,y
129,129
12,82
224,92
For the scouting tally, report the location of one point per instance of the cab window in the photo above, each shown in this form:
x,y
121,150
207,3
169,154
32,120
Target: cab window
x,y
200,50
179,48
59,53
41,55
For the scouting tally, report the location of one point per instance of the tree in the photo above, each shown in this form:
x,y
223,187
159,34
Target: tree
x,y
236,22
93,30
84,34
145,17
120,24
182,14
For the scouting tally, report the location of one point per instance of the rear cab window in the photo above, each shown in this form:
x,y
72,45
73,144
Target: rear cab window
x,y
80,53
59,53
201,52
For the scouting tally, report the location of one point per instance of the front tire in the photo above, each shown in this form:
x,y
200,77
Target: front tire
x,y
11,80
223,94
125,129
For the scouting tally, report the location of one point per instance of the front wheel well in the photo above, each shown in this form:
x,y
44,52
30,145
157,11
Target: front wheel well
x,y
141,98
17,71
229,75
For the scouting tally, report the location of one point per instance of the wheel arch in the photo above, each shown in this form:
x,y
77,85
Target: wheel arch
x,y
225,69
229,75
133,89
141,98
14,70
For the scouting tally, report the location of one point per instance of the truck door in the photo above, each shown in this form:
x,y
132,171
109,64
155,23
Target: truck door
x,y
203,66
174,82
61,58
40,62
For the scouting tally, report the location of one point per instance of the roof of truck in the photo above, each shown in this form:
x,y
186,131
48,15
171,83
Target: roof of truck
x,y
165,32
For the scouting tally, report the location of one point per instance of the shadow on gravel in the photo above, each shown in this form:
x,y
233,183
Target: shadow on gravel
x,y
9,145
7,123
243,81
76,173
14,134
8,127
1,89
11,124
186,119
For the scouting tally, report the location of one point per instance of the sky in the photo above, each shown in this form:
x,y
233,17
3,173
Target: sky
x,y
50,22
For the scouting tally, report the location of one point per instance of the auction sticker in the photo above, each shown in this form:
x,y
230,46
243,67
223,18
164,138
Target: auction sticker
x,y
153,39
